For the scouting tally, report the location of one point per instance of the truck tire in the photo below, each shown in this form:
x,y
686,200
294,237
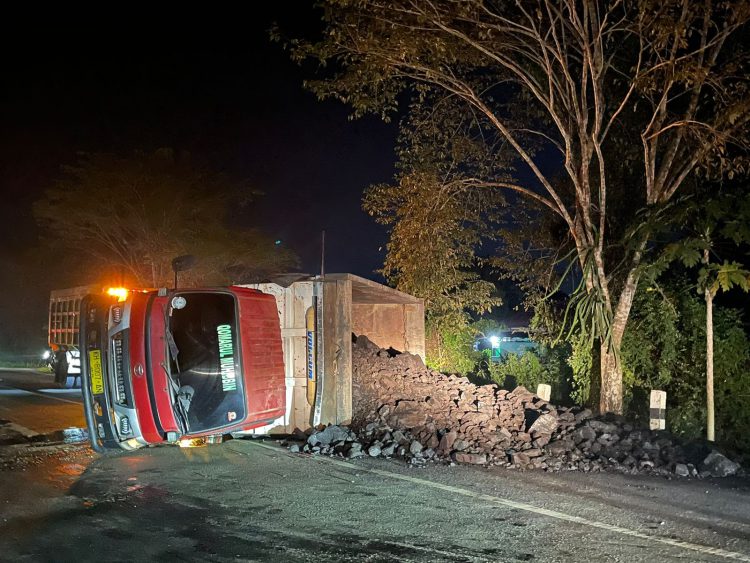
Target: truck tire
x,y
61,372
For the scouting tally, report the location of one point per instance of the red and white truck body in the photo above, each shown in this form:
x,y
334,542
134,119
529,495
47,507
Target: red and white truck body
x,y
179,365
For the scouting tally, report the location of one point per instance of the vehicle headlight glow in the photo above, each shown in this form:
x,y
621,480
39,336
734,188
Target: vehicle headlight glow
x,y
494,341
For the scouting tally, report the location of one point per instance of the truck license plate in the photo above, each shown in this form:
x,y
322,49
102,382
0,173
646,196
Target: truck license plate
x,y
95,363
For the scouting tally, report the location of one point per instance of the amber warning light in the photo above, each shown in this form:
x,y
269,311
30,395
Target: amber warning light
x,y
120,292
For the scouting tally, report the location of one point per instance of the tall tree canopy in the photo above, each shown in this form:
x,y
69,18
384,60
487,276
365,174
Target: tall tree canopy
x,y
579,104
128,217
436,225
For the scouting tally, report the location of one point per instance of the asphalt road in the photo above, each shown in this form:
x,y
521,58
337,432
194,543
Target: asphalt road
x,y
255,501
35,405
252,500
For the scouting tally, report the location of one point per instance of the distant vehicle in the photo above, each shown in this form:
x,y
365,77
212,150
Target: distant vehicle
x,y
504,342
182,366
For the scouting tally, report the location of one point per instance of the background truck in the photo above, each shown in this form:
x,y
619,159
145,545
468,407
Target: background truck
x,y
63,334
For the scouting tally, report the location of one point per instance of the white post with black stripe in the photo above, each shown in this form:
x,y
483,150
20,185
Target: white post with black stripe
x,y
658,410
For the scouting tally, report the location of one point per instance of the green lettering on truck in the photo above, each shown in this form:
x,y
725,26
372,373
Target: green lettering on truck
x,y
226,358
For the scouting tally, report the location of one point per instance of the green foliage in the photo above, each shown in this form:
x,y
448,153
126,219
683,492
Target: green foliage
x,y
128,217
450,343
724,276
665,348
531,368
581,362
586,315
432,242
518,91
526,369
436,222
705,224
650,347
732,381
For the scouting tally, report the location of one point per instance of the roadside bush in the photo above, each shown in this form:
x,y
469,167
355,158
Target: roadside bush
x,y
665,348
532,367
581,363
519,369
450,345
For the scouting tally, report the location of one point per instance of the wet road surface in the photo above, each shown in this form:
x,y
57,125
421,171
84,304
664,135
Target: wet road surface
x,y
253,500
35,405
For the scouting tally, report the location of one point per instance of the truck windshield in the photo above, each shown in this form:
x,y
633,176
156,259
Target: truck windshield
x,y
207,363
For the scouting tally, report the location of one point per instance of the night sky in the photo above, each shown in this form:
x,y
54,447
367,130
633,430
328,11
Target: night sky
x,y
209,83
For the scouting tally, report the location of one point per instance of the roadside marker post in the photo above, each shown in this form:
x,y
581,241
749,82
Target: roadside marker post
x,y
658,410
544,391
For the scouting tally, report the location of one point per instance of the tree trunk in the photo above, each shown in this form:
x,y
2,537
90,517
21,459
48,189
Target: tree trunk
x,y
709,366
610,399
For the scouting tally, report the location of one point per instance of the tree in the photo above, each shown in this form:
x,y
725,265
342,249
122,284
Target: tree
x,y
588,77
435,226
128,217
430,254
707,226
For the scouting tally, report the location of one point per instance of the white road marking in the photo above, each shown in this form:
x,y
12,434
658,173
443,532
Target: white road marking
x,y
450,554
12,391
61,391
535,510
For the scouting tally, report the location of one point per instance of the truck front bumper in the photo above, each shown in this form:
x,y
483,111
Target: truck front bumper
x,y
103,416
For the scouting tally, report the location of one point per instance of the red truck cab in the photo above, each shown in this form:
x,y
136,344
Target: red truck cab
x,y
179,365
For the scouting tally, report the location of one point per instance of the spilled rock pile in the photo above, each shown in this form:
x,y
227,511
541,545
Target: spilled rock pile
x,y
405,410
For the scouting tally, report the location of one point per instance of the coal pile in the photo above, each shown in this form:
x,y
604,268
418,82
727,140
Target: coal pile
x,y
402,409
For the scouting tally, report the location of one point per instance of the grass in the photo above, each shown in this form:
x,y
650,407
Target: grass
x,y
21,361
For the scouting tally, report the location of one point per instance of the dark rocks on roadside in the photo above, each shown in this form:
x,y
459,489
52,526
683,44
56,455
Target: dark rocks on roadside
x,y
520,459
403,409
328,435
718,465
681,470
355,450
544,424
388,450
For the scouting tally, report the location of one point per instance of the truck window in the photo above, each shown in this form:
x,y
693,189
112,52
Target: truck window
x,y
205,333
